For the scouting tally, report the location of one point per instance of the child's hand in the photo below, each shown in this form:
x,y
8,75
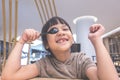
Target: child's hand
x,y
96,31
29,35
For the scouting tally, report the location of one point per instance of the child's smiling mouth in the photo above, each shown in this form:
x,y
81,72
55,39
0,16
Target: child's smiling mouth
x,y
61,40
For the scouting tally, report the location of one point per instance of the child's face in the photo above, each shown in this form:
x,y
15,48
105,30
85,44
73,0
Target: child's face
x,y
60,41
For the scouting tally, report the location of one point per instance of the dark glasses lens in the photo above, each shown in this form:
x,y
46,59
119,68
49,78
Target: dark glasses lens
x,y
53,31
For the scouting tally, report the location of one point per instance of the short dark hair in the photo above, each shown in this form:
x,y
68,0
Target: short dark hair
x,y
52,21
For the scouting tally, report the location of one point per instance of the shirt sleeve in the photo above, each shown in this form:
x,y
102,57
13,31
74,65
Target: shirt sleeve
x,y
84,63
87,63
38,66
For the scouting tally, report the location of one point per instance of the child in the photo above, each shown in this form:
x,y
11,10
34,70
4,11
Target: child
x,y
57,39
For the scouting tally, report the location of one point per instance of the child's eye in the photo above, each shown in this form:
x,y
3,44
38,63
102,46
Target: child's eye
x,y
66,29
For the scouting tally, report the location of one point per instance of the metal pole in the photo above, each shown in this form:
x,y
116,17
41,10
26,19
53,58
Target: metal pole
x,y
4,32
16,20
43,10
44,1
39,11
54,7
50,7
28,56
10,25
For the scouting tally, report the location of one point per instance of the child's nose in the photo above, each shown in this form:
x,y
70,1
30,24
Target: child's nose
x,y
61,32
